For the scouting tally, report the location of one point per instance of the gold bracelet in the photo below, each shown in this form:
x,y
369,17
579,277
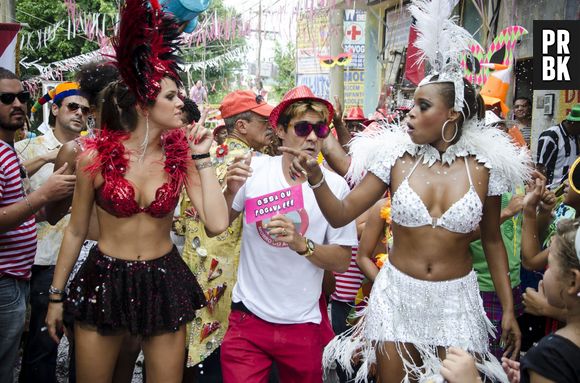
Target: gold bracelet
x,y
203,165
29,204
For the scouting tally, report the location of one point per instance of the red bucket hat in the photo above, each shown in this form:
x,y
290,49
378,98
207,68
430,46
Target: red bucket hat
x,y
300,93
355,114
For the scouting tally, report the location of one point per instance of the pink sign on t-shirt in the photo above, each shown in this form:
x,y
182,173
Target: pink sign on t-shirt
x,y
278,202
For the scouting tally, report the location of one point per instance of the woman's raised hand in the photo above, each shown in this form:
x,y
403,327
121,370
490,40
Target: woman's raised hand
x,y
199,138
535,190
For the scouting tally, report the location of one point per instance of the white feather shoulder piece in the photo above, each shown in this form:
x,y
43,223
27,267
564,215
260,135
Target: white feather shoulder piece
x,y
509,165
377,152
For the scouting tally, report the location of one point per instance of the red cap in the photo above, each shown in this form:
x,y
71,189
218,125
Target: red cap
x,y
355,114
300,93
241,101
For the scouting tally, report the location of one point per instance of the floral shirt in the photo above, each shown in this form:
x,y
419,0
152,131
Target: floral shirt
x,y
214,261
561,211
49,237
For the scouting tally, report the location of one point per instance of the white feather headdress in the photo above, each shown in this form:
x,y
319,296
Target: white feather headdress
x,y
442,43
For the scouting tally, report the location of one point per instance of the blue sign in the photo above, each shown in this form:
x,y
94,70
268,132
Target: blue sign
x,y
318,83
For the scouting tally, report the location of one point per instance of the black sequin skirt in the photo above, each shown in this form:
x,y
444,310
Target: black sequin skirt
x,y
142,297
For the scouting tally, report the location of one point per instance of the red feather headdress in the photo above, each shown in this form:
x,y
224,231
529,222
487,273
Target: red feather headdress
x,y
146,47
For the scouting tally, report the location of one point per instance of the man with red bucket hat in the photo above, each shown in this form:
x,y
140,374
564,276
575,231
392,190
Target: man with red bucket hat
x,y
276,312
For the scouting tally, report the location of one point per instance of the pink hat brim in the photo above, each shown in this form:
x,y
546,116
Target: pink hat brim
x,y
279,109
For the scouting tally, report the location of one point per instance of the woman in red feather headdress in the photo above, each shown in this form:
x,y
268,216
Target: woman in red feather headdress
x,y
135,281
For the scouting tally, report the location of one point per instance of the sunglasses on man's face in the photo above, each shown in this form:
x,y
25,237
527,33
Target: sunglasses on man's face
x,y
73,107
303,129
8,98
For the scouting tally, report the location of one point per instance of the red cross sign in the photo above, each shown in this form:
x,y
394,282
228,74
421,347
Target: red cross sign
x,y
354,32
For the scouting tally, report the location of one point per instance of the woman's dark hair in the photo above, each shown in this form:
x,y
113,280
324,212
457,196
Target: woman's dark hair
x,y
94,77
190,111
118,107
473,105
527,99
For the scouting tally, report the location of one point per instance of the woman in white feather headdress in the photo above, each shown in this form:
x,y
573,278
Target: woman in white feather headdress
x,y
446,173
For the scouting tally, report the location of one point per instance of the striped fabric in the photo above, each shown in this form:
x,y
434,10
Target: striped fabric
x,y
526,132
17,246
348,283
557,150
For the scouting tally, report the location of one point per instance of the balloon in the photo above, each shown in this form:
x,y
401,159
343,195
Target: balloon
x,y
186,11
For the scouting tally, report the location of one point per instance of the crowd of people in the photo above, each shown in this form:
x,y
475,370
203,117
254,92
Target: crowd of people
x,y
427,244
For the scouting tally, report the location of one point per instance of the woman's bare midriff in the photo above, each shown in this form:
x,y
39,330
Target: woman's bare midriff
x,y
430,254
136,238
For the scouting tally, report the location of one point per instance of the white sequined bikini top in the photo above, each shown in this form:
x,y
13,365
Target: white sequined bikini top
x,y
407,208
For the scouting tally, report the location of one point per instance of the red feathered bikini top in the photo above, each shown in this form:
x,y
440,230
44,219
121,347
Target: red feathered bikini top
x,y
117,194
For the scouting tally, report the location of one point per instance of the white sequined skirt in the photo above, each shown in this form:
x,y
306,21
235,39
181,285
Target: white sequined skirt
x,y
402,309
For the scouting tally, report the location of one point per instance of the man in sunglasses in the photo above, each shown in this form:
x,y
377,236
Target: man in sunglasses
x,y
70,110
277,313
17,221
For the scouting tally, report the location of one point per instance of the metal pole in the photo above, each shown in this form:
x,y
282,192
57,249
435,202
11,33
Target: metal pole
x,y
259,66
337,72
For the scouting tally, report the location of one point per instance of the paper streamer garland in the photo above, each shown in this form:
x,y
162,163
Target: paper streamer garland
x,y
54,70
92,26
215,62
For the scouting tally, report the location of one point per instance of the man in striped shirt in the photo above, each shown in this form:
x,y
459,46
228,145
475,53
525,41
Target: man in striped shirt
x,y
523,116
558,148
17,223
70,109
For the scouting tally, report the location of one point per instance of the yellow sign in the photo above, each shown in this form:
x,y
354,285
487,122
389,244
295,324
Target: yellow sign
x,y
568,98
312,42
354,89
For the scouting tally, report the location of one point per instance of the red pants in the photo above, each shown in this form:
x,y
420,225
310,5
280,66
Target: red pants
x,y
251,344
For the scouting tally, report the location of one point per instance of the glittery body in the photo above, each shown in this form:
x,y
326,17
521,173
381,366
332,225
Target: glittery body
x,y
117,195
447,313
409,210
142,297
427,314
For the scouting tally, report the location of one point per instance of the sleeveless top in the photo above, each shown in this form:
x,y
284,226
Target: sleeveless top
x,y
117,194
463,216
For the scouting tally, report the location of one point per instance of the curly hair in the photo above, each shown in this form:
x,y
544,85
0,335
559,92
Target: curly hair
x,y
565,244
94,77
190,111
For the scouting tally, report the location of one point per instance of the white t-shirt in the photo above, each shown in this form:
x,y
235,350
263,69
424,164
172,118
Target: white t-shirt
x,y
275,283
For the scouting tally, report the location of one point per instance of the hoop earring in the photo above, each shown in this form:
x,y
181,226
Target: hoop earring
x,y
443,132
